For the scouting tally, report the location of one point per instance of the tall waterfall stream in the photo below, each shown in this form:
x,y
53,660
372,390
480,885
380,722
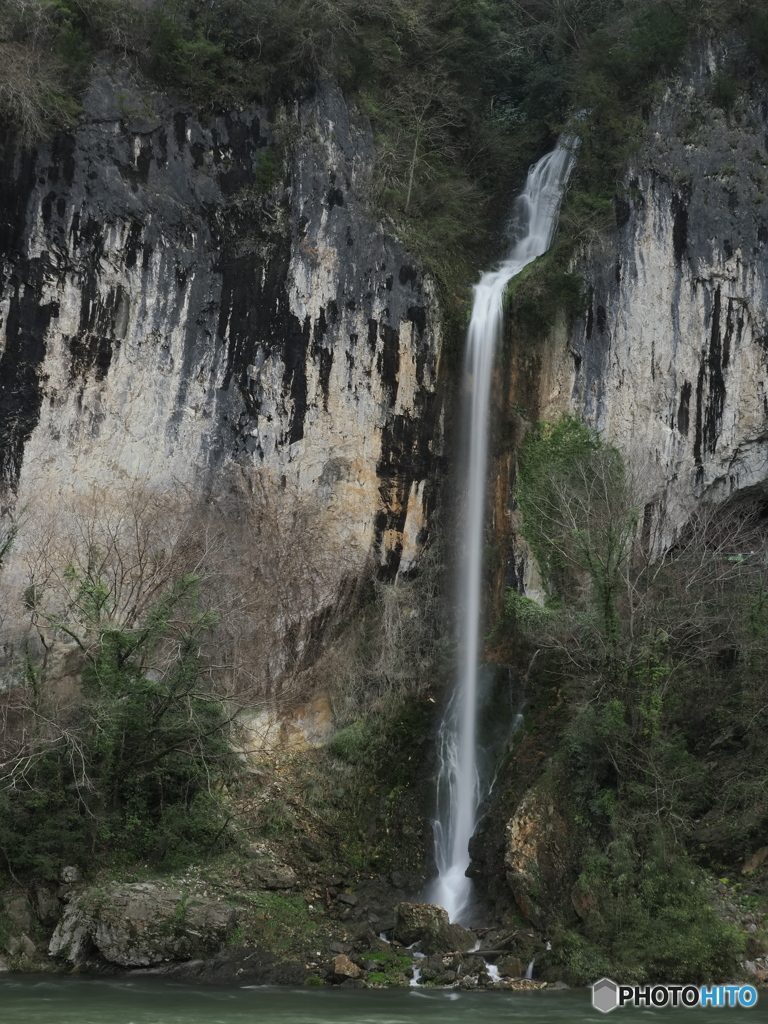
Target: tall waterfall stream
x,y
459,785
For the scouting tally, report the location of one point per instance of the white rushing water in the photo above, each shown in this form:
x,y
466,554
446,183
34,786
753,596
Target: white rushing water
x,y
458,788
493,973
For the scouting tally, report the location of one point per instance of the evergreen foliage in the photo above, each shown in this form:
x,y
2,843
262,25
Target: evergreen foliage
x,y
131,772
660,655
648,917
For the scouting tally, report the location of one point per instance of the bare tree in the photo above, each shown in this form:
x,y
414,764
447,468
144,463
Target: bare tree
x,y
286,569
147,623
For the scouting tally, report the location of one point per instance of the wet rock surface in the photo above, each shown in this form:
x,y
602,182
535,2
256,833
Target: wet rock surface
x,y
429,926
236,966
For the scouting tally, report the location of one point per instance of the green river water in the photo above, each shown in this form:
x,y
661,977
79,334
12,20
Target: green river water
x,y
46,1000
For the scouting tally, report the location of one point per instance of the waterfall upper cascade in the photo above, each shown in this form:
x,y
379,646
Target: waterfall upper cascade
x,y
458,788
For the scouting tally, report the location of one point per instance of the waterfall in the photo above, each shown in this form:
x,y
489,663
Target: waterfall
x,y
458,787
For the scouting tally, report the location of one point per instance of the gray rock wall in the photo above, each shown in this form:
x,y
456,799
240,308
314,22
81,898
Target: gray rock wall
x,y
670,361
199,303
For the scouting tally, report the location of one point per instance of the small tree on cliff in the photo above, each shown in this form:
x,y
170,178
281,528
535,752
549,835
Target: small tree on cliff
x,y
580,511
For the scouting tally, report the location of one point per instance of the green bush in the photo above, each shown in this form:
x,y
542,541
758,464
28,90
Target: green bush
x,y
131,775
351,743
725,91
390,965
44,824
579,961
651,917
185,57
268,171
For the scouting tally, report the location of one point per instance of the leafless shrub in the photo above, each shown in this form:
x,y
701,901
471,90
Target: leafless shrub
x,y
395,648
273,566
631,585
288,566
30,90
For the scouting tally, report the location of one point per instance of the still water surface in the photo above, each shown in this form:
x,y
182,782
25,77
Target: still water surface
x,y
46,1000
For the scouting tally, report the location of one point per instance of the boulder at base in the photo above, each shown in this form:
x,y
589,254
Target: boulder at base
x,y
429,925
140,924
343,969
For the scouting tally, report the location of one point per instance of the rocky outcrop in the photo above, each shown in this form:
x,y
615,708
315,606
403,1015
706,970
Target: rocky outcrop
x,y
669,361
343,969
429,925
141,924
539,857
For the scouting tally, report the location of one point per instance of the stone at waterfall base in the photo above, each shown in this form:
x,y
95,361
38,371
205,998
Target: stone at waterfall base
x,y
343,969
430,926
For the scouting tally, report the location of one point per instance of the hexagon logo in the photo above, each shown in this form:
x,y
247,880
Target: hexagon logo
x,y
605,995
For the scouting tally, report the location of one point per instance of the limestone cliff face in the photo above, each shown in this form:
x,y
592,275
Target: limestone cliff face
x,y
187,301
671,359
